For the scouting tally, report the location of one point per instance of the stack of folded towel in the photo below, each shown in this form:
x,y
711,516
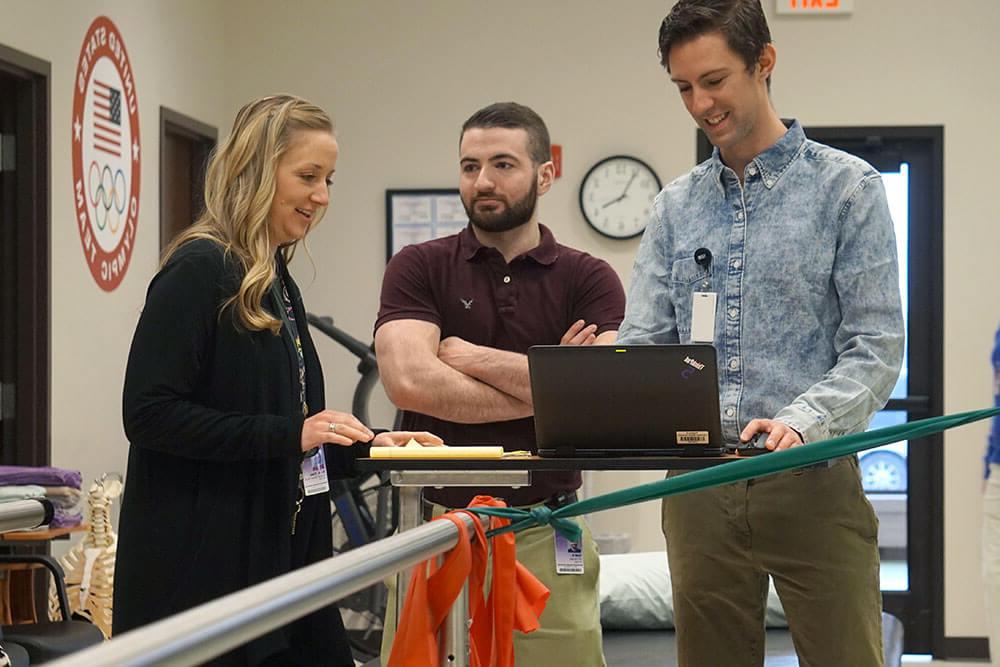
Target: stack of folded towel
x,y
58,485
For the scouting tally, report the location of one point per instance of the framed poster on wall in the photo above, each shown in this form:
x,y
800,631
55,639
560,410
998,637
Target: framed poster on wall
x,y
415,216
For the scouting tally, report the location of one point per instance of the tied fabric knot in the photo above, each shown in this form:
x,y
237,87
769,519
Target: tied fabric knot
x,y
545,516
542,515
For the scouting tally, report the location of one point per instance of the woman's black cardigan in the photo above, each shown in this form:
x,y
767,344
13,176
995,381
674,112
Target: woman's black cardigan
x,y
213,416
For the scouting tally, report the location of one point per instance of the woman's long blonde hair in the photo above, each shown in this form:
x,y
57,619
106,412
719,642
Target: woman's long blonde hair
x,y
239,188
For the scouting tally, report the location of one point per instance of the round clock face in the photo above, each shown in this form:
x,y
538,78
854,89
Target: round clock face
x,y
617,194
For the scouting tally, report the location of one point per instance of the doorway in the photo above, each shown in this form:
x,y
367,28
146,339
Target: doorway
x,y
24,259
904,481
185,146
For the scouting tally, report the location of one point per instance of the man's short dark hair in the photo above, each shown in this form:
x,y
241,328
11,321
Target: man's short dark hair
x,y
514,116
741,22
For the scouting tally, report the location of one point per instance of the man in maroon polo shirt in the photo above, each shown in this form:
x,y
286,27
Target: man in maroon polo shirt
x,y
458,315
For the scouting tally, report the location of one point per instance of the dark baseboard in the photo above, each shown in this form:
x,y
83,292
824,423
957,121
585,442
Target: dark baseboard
x,y
966,648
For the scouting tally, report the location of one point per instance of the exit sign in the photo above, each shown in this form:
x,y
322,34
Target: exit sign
x,y
814,6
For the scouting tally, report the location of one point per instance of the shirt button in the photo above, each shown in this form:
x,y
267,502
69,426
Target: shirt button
x,y
730,412
751,170
734,363
734,313
768,182
739,215
737,264
506,279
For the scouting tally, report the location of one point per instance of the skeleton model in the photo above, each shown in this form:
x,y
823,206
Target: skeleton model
x,y
90,565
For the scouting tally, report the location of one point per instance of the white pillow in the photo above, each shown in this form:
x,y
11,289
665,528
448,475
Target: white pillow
x,y
635,593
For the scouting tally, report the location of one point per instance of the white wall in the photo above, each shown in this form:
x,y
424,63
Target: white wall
x,y
898,62
178,62
400,77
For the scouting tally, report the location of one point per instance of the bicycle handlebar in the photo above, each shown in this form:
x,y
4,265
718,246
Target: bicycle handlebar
x,y
355,346
368,367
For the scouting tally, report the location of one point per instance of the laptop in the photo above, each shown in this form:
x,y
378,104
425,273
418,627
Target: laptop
x,y
625,400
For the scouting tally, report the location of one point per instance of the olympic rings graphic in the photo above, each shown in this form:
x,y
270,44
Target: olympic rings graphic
x,y
107,193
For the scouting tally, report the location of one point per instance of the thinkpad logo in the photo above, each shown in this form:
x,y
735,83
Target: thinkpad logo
x,y
694,364
466,302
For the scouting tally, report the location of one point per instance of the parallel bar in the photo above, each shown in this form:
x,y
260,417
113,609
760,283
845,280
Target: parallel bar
x,y
206,631
455,634
410,517
23,515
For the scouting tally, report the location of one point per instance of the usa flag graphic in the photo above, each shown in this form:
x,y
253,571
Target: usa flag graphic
x,y
107,119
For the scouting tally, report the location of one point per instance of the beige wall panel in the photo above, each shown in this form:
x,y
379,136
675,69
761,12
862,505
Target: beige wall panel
x,y
177,60
400,77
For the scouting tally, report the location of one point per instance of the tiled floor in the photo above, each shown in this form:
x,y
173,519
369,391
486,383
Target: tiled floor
x,y
634,648
624,651
631,649
906,661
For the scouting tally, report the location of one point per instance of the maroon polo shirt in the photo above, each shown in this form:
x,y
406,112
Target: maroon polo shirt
x,y
468,290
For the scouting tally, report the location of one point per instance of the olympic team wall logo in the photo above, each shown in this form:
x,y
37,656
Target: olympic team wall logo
x,y
106,152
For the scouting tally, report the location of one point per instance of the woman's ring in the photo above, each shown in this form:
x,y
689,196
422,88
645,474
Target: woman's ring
x,y
333,427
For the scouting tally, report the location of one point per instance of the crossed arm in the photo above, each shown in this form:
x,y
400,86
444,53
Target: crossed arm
x,y
456,380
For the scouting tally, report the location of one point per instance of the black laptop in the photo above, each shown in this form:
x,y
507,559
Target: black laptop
x,y
625,400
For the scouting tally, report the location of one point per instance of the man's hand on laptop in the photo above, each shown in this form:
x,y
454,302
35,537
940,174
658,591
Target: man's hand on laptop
x,y
779,434
580,333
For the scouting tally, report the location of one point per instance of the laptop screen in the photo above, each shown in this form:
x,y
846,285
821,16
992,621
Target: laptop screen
x,y
625,400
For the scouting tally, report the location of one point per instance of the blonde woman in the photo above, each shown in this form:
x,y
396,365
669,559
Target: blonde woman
x,y
223,398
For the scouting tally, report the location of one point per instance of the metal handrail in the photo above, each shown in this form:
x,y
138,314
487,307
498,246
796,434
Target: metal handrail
x,y
24,514
209,630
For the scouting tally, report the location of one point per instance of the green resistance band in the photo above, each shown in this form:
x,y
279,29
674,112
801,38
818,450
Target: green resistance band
x,y
757,466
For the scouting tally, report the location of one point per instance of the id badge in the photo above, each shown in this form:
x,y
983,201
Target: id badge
x,y
314,479
569,556
703,317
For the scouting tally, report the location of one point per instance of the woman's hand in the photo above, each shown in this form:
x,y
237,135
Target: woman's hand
x,y
400,438
336,428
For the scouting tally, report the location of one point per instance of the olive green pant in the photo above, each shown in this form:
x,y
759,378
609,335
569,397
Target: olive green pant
x,y
570,632
813,531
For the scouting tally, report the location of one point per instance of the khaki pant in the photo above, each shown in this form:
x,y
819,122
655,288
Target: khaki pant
x,y
570,632
991,558
813,531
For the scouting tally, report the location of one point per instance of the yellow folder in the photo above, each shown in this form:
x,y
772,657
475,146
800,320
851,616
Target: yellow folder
x,y
419,452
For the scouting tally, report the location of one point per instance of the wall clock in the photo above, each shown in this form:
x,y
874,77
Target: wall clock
x,y
616,196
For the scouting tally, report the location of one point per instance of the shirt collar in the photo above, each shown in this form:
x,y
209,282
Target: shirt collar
x,y
545,253
773,162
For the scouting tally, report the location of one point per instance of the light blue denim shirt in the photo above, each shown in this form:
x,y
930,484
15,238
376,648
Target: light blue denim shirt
x,y
808,324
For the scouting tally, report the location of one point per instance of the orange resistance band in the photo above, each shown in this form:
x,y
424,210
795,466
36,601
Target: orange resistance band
x,y
515,602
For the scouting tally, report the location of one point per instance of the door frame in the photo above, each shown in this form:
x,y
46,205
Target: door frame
x,y
921,608
205,135
31,257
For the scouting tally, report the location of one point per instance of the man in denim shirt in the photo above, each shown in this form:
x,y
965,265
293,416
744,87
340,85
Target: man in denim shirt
x,y
809,335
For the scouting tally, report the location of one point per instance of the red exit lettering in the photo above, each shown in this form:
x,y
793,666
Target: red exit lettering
x,y
815,4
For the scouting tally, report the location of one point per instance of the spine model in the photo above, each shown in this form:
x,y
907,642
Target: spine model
x,y
90,565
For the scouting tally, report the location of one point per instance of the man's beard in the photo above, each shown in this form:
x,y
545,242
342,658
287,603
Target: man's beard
x,y
510,217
